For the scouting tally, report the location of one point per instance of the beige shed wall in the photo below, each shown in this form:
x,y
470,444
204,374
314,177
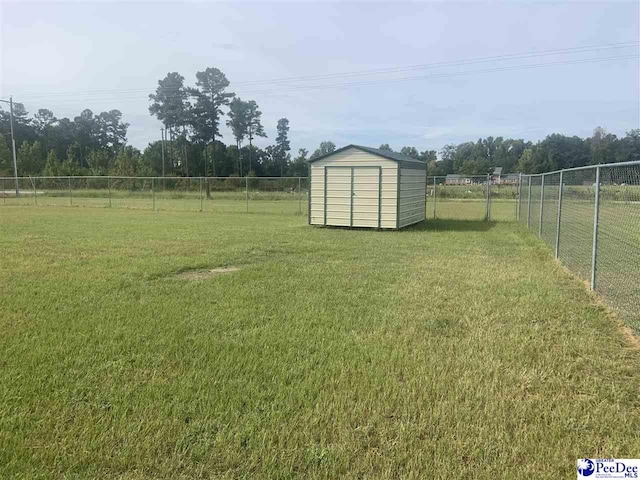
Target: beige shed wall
x,y
412,196
340,187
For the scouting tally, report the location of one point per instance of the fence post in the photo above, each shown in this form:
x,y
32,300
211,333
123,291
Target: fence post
x,y
489,196
486,207
200,193
246,191
518,203
434,197
596,213
153,193
541,206
4,192
70,196
529,205
35,192
109,187
557,253
299,196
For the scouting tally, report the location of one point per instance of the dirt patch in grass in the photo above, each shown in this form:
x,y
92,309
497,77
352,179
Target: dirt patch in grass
x,y
203,274
634,342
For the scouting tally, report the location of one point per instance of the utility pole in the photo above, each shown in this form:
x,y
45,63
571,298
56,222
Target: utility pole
x,y
170,145
213,138
250,146
13,145
213,144
185,151
162,136
204,154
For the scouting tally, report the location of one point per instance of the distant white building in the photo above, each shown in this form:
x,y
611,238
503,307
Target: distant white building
x,y
496,176
457,179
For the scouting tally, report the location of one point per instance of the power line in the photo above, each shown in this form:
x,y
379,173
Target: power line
x,y
448,75
516,56
128,98
390,70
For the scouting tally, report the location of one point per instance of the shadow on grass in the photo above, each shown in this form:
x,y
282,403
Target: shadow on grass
x,y
439,225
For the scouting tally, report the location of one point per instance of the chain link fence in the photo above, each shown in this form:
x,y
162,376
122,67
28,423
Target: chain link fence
x,y
279,195
472,197
590,217
457,197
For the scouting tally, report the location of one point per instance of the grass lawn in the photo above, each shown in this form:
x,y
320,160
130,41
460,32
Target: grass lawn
x,y
455,349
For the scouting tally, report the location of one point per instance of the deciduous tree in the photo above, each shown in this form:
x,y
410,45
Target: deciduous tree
x,y
323,149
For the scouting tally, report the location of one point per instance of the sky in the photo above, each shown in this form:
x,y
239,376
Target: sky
x,y
438,85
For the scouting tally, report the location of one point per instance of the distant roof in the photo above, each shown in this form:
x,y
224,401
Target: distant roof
x,y
396,157
497,171
454,175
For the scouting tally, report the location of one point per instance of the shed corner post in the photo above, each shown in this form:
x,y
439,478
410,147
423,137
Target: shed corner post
x,y
399,172
309,195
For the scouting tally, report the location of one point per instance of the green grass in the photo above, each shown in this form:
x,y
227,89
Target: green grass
x,y
454,349
470,209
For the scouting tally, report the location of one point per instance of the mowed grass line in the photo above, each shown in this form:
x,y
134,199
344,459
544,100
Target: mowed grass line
x,y
446,350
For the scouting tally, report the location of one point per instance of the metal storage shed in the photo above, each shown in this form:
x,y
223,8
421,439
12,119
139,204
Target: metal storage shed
x,y
359,186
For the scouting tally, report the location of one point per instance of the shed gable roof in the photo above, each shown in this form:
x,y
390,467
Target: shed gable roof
x,y
396,157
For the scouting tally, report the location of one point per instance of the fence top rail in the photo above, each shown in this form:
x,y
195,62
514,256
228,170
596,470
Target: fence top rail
x,y
459,176
146,178
586,167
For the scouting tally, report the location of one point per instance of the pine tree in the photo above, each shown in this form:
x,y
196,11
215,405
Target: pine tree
x,y
52,166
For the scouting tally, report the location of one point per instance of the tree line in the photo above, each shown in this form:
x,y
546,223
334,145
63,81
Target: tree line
x,y
96,144
555,152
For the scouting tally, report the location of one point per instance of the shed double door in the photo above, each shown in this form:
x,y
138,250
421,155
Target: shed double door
x,y
352,196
